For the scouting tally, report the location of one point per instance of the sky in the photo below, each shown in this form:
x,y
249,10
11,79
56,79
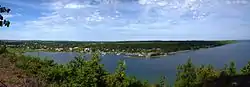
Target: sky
x,y
117,20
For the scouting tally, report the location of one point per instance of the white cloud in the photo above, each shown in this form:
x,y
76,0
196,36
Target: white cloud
x,y
11,15
7,15
22,4
76,20
74,6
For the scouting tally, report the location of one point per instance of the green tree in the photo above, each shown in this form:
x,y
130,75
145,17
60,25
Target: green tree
x,y
4,22
246,69
205,73
118,79
3,49
87,73
231,69
186,75
163,82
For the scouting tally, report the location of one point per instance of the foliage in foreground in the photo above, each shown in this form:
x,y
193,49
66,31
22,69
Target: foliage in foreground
x,y
77,73
90,73
4,22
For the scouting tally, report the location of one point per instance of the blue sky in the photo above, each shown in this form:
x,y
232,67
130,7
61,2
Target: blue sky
x,y
109,20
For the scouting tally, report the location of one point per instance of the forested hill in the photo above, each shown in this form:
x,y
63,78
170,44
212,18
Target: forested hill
x,y
163,46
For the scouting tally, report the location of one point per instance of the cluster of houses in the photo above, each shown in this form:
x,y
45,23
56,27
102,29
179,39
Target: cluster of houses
x,y
60,49
73,49
79,49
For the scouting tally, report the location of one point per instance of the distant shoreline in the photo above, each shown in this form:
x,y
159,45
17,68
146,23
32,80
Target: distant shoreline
x,y
148,49
174,53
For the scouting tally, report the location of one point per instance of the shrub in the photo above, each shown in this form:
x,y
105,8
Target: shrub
x,y
246,69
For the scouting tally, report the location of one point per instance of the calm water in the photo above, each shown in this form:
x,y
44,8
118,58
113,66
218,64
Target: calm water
x,y
152,69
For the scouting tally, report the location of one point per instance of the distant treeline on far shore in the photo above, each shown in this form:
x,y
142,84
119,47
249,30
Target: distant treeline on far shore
x,y
116,46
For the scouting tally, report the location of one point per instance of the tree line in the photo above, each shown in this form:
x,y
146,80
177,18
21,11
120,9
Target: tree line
x,y
121,46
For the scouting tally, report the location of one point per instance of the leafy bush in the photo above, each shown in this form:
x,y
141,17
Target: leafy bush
x,y
205,73
3,49
190,76
246,69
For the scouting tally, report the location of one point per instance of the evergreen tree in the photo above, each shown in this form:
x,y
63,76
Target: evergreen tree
x,y
231,69
163,82
118,79
186,75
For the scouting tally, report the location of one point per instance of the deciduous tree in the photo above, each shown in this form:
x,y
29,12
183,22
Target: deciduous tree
x,y
3,21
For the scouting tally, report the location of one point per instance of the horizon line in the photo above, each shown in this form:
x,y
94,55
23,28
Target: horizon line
x,y
121,40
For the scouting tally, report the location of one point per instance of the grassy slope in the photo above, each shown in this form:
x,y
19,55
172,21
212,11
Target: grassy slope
x,y
11,76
